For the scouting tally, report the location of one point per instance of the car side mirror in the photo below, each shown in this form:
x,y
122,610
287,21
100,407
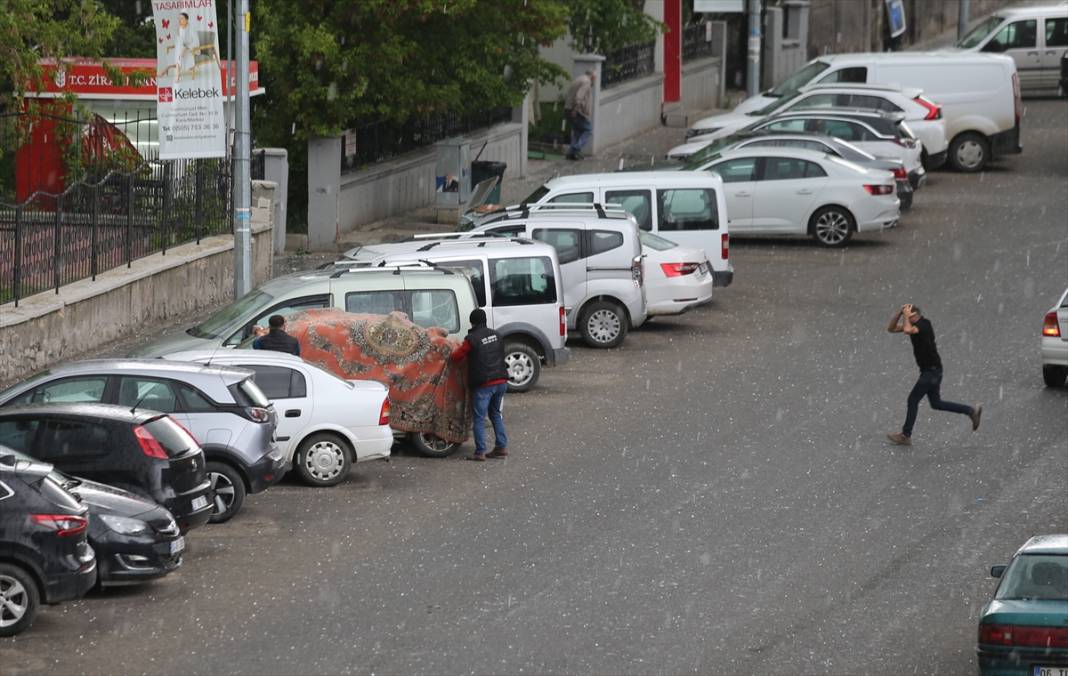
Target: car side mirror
x,y
997,571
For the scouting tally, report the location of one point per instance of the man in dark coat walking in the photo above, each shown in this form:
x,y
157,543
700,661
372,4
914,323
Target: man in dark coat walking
x,y
276,338
487,377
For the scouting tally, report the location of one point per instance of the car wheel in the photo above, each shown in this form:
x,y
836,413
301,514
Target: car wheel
x,y
19,599
603,324
832,226
1054,376
323,460
969,152
432,446
524,366
228,489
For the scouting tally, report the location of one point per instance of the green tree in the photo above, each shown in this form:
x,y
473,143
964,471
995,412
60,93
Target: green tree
x,y
603,26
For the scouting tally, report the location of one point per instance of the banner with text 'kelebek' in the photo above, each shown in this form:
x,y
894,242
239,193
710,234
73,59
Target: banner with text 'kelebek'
x,y
189,95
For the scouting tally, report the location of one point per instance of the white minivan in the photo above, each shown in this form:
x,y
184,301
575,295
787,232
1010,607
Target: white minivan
x,y
979,94
687,207
1035,38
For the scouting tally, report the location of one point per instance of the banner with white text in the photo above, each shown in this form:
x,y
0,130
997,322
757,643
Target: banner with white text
x,y
189,96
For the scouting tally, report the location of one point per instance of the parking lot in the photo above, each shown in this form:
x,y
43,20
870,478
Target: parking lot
x,y
716,496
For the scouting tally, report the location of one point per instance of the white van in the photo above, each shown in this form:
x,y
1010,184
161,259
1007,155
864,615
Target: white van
x,y
517,282
687,207
1035,38
979,94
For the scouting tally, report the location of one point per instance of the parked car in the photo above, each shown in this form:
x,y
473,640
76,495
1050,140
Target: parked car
x,y
429,297
923,116
45,555
818,142
1023,630
687,207
1064,74
677,278
803,192
1035,37
979,94
1055,343
141,451
325,424
135,539
221,407
517,282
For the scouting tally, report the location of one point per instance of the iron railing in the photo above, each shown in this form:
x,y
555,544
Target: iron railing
x,y
628,63
49,240
698,42
384,139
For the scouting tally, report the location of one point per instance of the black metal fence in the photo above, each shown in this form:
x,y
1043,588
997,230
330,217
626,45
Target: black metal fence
x,y
699,41
628,63
50,239
381,140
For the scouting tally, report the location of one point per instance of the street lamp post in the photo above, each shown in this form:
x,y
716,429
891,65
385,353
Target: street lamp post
x,y
242,162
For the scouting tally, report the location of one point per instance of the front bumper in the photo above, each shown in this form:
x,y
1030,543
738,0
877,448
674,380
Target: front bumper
x,y
268,470
135,559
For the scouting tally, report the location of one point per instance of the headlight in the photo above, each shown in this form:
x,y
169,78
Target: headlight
x,y
124,525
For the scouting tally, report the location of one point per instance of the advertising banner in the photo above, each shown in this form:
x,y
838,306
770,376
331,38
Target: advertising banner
x,y
189,89
718,6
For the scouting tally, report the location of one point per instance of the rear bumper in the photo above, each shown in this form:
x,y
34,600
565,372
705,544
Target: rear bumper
x,y
723,277
1018,661
917,178
904,194
181,507
1007,142
268,470
1054,352
372,443
878,213
937,160
679,294
560,356
77,576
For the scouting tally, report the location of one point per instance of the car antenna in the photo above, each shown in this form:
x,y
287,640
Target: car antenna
x,y
133,409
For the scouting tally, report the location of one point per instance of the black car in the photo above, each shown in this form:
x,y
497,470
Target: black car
x,y
135,540
144,452
44,552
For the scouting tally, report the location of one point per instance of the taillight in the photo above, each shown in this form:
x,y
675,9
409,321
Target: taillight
x,y
1051,327
61,524
636,271
383,413
724,246
563,322
679,269
879,189
1016,102
1017,635
934,112
257,414
150,446
905,141
900,174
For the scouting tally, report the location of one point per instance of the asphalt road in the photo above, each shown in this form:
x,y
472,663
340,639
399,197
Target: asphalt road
x,y
717,496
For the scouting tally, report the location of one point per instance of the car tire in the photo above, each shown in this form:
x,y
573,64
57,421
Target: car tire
x,y
323,460
969,152
228,489
21,599
832,226
432,446
603,324
1054,376
524,366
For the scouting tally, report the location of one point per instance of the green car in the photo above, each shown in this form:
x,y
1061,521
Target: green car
x,y
1023,630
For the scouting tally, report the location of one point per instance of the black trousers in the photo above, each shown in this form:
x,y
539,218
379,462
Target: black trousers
x,y
929,385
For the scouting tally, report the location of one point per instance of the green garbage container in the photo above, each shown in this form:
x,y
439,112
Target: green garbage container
x,y
481,170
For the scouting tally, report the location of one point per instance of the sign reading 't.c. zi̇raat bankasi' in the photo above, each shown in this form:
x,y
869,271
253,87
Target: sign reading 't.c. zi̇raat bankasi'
x,y
189,91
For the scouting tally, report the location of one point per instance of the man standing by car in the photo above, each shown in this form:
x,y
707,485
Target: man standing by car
x,y
487,377
578,108
910,321
276,338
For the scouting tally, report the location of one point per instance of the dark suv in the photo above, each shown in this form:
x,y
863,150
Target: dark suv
x,y
44,552
141,451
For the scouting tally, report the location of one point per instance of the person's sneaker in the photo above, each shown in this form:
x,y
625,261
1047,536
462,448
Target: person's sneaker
x,y
977,413
899,439
498,453
477,457
571,156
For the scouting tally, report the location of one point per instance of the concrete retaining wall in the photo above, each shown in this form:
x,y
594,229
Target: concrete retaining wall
x,y
627,109
701,84
49,328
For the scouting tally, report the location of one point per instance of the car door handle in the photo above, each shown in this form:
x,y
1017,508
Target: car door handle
x,y
1032,53
805,191
741,194
293,413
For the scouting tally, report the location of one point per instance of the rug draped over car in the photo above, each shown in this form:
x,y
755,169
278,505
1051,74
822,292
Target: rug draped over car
x,y
427,391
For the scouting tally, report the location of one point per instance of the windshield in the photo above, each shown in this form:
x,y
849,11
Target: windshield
x,y
710,152
775,105
851,151
979,33
236,312
535,196
656,242
1035,576
702,162
790,85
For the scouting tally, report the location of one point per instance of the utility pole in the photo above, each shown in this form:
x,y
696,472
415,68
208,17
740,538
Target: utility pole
x,y
242,163
752,75
963,11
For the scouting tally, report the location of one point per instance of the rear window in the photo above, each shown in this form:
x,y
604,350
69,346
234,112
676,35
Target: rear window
x,y
247,394
1035,576
688,209
656,242
522,281
425,307
174,440
59,497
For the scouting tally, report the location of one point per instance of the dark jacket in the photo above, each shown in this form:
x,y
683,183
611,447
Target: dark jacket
x,y
279,341
485,361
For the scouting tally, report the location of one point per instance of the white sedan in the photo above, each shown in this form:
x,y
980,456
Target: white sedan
x,y
325,424
677,278
1055,343
790,191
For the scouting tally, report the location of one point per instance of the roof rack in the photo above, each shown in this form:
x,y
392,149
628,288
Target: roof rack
x,y
524,210
454,235
348,266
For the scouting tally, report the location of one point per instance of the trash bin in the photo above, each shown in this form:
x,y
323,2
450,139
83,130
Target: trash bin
x,y
481,170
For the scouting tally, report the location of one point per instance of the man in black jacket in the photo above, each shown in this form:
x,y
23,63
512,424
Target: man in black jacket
x,y
277,339
487,376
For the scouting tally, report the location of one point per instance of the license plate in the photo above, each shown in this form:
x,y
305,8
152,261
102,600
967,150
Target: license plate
x,y
177,546
200,503
703,268
1050,671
